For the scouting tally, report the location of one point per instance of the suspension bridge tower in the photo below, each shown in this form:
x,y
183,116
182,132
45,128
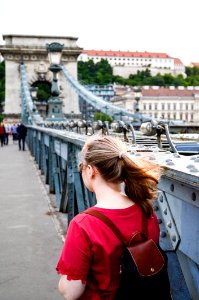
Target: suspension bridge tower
x,y
31,51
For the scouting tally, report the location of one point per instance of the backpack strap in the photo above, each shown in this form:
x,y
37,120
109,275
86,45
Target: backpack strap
x,y
108,222
144,225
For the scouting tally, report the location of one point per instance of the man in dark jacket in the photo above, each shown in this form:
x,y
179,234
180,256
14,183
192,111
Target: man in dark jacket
x,y
22,132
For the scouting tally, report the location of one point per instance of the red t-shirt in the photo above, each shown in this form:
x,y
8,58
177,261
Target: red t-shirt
x,y
91,249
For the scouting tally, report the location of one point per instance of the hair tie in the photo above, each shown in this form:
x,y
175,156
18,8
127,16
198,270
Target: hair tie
x,y
120,154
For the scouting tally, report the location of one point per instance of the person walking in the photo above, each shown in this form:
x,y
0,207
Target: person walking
x,y
89,263
7,132
2,133
14,132
22,132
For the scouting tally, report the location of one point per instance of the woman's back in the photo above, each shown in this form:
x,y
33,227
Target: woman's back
x,y
97,250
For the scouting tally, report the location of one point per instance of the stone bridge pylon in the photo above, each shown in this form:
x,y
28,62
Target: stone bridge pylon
x,y
31,50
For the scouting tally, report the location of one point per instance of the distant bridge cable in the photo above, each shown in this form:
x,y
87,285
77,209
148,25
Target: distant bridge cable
x,y
29,113
97,102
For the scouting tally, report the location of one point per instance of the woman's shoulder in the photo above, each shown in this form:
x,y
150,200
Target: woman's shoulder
x,y
79,218
85,218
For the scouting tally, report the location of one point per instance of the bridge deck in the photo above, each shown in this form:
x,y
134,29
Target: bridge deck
x,y
30,243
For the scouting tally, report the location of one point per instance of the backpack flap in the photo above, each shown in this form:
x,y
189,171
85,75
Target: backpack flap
x,y
147,258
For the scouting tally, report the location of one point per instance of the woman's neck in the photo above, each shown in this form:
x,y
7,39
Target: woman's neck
x,y
109,195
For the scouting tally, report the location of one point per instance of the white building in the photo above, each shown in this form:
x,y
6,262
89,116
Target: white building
x,y
179,104
125,63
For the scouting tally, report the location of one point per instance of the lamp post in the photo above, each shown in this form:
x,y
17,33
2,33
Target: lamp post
x,y
33,92
55,103
106,109
137,96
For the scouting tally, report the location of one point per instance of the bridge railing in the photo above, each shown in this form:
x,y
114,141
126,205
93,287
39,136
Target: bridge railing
x,y
177,207
57,157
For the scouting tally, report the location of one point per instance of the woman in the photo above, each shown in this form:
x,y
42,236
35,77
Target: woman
x,y
90,259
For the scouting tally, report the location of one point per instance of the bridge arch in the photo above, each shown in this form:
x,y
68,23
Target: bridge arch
x,y
31,50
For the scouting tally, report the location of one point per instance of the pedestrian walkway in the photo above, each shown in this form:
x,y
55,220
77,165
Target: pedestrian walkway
x,y
29,242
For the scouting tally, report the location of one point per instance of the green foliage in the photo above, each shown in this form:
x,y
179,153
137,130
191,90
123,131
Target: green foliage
x,y
2,70
194,71
1,118
103,117
44,90
119,80
42,95
101,74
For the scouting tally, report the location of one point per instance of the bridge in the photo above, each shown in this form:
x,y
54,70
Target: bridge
x,y
55,145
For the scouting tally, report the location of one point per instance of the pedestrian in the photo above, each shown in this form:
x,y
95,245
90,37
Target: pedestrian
x,y
2,134
7,132
22,132
14,132
125,188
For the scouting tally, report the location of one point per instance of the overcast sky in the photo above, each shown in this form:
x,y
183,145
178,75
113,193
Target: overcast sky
x,y
168,26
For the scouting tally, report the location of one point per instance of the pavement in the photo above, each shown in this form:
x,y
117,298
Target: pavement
x,y
30,237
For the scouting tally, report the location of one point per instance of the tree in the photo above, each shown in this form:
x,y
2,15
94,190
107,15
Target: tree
x,y
44,90
168,79
87,72
1,118
103,117
99,73
158,80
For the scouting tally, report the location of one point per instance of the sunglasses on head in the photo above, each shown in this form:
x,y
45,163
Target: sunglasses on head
x,y
80,167
80,162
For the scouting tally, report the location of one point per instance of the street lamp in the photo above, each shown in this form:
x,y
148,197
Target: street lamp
x,y
33,92
137,96
55,103
138,116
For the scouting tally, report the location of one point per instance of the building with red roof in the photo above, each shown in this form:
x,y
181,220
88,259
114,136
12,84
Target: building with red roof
x,y
170,103
125,63
194,64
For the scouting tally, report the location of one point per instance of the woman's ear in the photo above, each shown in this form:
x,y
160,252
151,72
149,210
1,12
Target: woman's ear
x,y
91,171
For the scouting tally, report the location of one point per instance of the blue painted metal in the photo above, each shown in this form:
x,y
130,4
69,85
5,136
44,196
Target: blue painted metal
x,y
51,166
56,175
42,160
179,288
70,186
